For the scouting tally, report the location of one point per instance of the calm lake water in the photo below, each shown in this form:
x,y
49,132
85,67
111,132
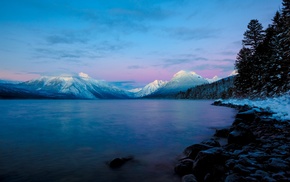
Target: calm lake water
x,y
73,140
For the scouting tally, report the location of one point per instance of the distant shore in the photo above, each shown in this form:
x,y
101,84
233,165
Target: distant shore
x,y
257,149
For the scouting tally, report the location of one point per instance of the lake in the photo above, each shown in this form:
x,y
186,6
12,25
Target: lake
x,y
73,140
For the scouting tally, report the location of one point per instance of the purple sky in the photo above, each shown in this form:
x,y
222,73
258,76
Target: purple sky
x,y
128,41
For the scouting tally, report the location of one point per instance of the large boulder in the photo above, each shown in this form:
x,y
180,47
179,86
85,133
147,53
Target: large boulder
x,y
189,178
192,151
235,178
207,161
118,162
241,137
184,167
211,142
247,116
222,133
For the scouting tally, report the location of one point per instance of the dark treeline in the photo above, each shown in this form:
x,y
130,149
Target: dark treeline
x,y
219,89
263,62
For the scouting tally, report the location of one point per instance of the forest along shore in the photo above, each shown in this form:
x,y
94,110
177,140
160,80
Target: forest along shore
x,y
257,149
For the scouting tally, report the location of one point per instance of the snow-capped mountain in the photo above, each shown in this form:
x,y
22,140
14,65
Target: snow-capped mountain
x,y
9,81
150,88
80,86
181,81
214,79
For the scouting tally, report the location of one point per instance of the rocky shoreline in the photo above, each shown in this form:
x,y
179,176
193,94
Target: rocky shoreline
x,y
257,149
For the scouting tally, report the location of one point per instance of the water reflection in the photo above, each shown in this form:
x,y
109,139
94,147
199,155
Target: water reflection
x,y
51,140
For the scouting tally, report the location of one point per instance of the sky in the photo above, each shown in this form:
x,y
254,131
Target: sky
x,y
127,42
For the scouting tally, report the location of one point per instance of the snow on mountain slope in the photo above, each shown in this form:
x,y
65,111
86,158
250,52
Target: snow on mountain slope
x,y
181,81
150,88
214,79
81,86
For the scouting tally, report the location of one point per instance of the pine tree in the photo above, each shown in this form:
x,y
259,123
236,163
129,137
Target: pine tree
x,y
249,63
244,66
254,36
285,46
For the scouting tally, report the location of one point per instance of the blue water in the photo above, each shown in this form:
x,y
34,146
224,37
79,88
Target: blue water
x,y
73,140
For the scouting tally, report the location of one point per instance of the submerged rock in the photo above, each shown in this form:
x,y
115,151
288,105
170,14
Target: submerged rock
x,y
118,162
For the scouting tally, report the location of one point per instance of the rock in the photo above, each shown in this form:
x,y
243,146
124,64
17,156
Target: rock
x,y
192,151
237,121
184,167
268,179
240,169
223,133
277,164
206,161
118,162
251,179
235,178
279,176
216,174
189,178
259,174
230,164
247,116
241,137
218,102
211,142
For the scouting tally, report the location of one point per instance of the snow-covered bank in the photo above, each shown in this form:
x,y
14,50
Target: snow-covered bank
x,y
280,106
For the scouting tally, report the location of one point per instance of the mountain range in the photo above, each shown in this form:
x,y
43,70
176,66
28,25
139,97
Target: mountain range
x,y
82,86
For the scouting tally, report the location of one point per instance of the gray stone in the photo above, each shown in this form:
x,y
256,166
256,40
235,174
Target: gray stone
x,y
235,178
184,167
192,151
189,178
211,142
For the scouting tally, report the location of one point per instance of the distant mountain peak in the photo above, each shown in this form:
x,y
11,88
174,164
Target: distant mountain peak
x,y
214,79
83,75
150,88
182,73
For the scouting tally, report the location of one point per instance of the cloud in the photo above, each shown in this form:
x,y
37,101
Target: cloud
x,y
57,54
172,62
66,38
79,57
228,53
78,54
107,46
184,33
224,67
135,67
181,59
119,18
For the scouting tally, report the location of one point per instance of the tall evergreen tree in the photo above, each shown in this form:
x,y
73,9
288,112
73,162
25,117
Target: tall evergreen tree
x,y
263,63
285,46
249,63
254,35
243,65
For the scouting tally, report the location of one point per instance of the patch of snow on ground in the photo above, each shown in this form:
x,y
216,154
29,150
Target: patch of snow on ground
x,y
279,105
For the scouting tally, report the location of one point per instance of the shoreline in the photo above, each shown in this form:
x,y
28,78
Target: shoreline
x,y
257,149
